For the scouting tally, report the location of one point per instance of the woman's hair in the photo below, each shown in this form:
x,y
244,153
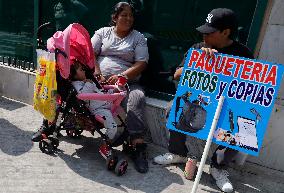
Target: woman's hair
x,y
73,70
118,8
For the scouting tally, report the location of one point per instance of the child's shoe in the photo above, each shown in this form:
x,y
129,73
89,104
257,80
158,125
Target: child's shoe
x,y
44,129
105,151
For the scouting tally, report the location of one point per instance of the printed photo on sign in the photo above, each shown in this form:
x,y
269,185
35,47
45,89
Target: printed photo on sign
x,y
249,87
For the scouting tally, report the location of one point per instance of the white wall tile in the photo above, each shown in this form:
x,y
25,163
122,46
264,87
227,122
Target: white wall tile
x,y
277,13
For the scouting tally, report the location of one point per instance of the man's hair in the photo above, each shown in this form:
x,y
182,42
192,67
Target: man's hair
x,y
233,33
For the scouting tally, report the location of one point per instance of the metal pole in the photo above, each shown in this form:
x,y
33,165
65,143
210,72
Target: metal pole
x,y
208,144
36,21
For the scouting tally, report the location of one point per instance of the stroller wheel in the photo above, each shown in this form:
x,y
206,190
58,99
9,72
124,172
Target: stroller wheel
x,y
121,167
111,162
74,133
54,142
78,132
70,133
127,148
46,146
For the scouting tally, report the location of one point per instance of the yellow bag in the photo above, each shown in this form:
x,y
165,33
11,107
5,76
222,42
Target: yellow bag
x,y
45,87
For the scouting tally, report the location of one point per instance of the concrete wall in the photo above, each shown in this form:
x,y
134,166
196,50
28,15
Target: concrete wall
x,y
272,44
272,152
16,83
272,49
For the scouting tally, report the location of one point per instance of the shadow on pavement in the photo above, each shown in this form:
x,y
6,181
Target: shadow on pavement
x,y
14,141
236,179
206,180
88,163
10,105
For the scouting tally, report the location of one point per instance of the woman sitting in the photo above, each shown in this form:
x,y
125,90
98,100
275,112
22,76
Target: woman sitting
x,y
121,50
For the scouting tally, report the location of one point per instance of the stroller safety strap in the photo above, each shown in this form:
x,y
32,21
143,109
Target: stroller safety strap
x,y
101,97
116,98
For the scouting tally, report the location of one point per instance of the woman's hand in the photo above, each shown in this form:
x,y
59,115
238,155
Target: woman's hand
x,y
102,80
113,79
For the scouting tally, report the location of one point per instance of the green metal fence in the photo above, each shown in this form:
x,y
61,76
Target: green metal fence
x,y
17,63
16,29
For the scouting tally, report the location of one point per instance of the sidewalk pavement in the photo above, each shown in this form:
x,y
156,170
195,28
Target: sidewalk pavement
x,y
78,167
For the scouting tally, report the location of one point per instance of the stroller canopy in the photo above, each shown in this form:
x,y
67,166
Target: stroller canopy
x,y
75,42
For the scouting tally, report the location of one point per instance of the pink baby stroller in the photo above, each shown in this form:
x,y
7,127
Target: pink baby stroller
x,y
73,44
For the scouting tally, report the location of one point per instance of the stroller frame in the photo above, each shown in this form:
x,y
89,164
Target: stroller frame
x,y
72,105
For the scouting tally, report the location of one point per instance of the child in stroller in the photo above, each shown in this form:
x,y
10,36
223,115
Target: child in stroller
x,y
100,108
84,105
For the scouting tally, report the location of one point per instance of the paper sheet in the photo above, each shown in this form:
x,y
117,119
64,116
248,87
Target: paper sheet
x,y
247,133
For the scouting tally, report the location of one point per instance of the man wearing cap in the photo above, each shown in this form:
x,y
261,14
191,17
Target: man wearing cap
x,y
218,36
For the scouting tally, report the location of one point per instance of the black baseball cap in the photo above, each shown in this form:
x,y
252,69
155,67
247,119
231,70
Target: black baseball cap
x,y
219,19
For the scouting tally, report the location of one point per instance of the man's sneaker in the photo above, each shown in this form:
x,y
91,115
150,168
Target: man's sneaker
x,y
138,155
169,158
43,130
105,151
222,181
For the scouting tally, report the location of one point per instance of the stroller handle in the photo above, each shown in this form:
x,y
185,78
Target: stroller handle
x,y
42,27
40,43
